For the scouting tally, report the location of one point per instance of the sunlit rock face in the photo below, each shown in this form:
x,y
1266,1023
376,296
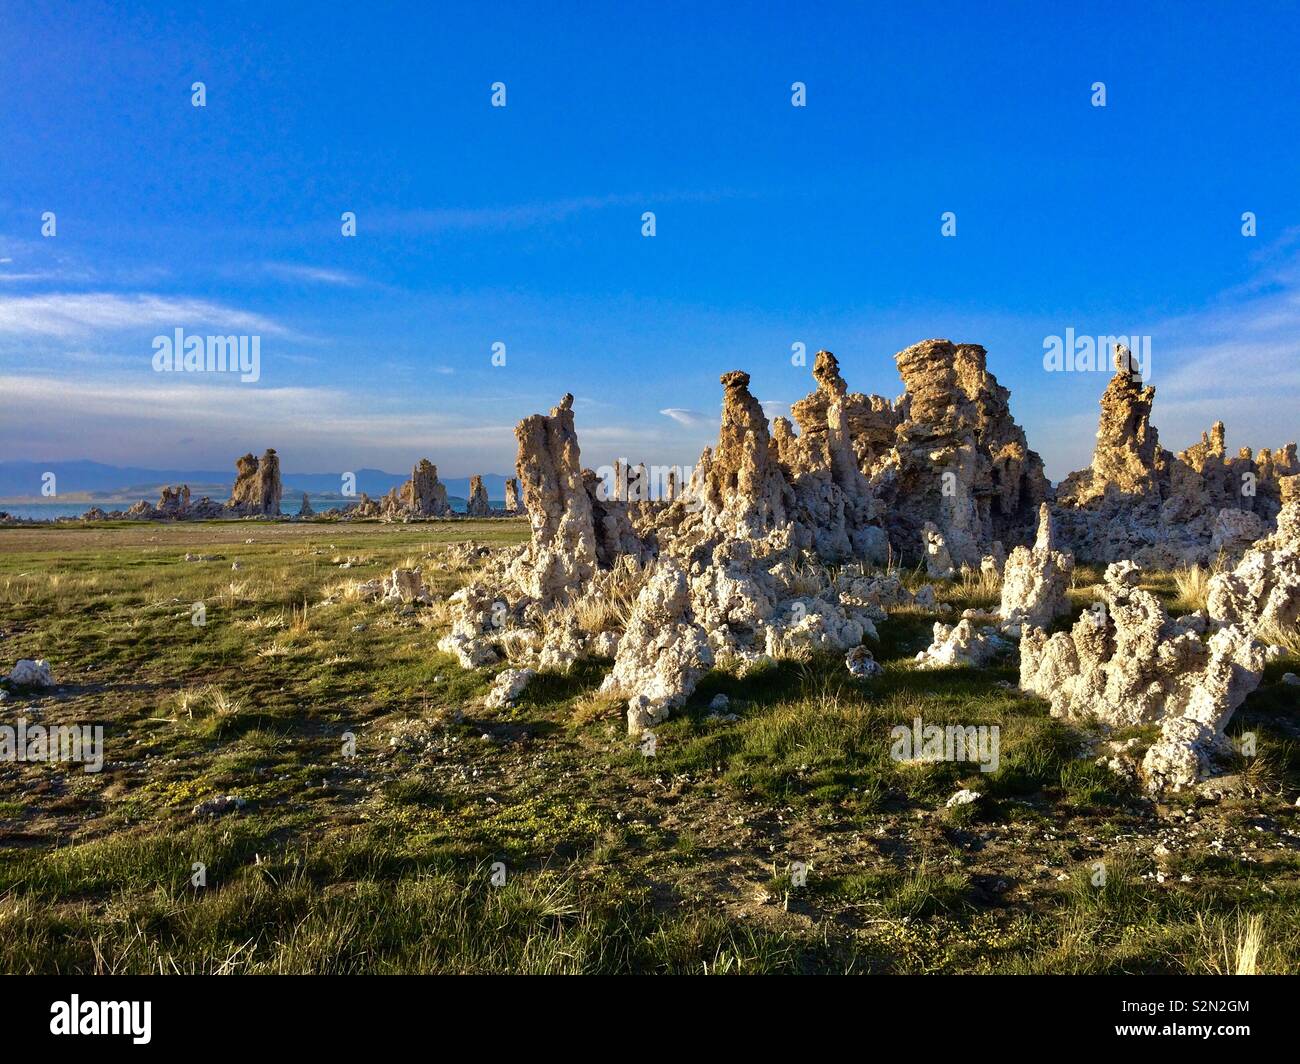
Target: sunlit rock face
x,y
257,488
1127,663
562,552
958,461
1262,592
424,495
663,651
1036,579
1139,501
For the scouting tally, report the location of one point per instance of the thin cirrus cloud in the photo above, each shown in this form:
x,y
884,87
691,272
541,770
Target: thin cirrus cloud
x,y
1241,345
320,275
472,219
1233,359
692,419
123,422
524,216
68,315
120,422
27,278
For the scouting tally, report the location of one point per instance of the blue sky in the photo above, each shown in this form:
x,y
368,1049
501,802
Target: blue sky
x,y
522,224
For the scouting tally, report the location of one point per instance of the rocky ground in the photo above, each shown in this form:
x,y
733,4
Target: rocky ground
x,y
766,830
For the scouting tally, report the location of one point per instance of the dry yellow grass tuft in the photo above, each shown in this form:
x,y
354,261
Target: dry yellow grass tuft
x,y
1285,636
980,583
1241,955
1193,584
206,701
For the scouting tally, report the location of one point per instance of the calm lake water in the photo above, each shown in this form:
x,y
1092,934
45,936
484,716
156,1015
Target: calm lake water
x,y
48,511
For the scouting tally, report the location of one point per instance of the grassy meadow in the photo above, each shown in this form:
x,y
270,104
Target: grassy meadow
x,y
387,852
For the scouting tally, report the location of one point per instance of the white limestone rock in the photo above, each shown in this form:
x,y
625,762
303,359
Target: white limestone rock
x,y
938,560
962,644
405,585
663,653
507,688
1036,581
31,673
1263,590
1126,663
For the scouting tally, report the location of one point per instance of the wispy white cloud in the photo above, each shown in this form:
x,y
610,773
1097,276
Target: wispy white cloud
x,y
128,421
52,262
69,315
22,278
313,274
143,419
451,219
527,215
1236,360
690,418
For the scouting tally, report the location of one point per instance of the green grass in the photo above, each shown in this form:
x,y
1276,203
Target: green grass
x,y
614,861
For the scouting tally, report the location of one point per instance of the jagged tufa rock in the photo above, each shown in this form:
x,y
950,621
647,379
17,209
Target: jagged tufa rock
x,y
405,585
257,489
959,459
478,622
1263,592
508,686
834,508
561,555
938,559
1126,663
1138,501
477,504
783,490
962,644
29,672
424,495
742,489
862,665
174,502
1035,580
663,652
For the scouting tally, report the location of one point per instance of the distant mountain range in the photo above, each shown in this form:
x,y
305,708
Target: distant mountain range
x,y
93,481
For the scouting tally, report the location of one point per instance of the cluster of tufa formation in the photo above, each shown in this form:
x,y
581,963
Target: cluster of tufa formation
x,y
1126,663
734,567
958,459
257,488
1139,502
424,495
731,566
1263,592
256,493
421,497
